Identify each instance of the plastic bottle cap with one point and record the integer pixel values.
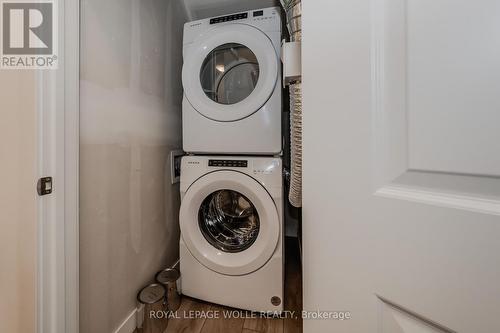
(151, 294)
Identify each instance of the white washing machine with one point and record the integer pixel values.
(231, 220)
(231, 78)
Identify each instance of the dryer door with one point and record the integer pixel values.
(229, 223)
(230, 72)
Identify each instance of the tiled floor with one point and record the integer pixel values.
(293, 302)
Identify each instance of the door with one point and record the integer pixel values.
(402, 165)
(230, 72)
(229, 222)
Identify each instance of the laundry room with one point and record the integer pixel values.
(185, 167)
(249, 166)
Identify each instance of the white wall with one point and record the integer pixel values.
(18, 201)
(130, 118)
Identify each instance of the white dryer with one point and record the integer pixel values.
(231, 220)
(231, 78)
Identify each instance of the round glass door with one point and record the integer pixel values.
(229, 221)
(229, 73)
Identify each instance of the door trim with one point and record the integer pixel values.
(58, 156)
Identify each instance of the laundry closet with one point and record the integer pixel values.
(185, 161)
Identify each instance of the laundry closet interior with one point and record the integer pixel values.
(187, 162)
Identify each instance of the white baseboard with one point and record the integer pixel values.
(129, 324)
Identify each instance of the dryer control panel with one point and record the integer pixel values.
(238, 16)
(265, 19)
(228, 18)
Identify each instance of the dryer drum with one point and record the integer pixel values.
(229, 73)
(229, 221)
(237, 82)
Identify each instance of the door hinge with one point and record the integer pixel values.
(44, 186)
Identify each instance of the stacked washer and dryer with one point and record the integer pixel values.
(231, 217)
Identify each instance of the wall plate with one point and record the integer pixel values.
(175, 165)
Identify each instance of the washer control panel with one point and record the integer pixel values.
(266, 167)
(228, 163)
(265, 170)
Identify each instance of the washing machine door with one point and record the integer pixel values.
(230, 72)
(229, 223)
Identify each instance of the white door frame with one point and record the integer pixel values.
(58, 157)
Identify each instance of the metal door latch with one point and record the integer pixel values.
(44, 186)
